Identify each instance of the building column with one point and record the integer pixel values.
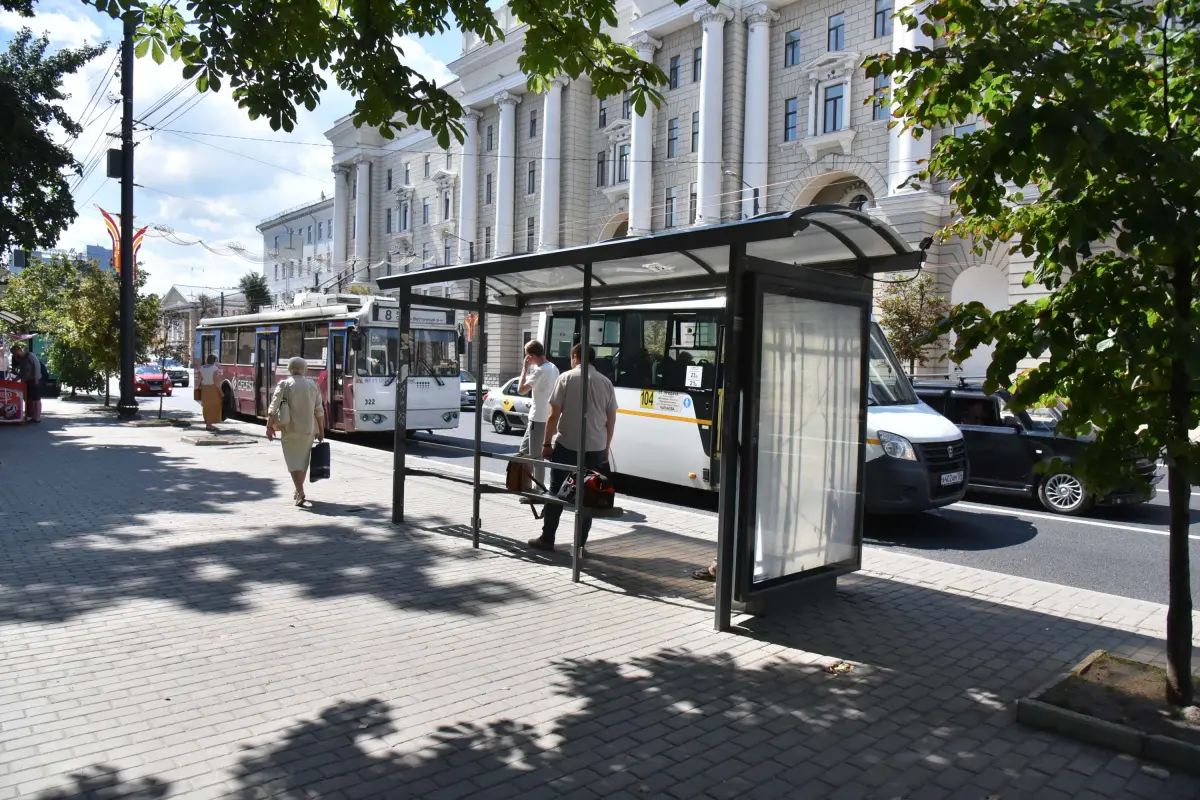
(506, 173)
(362, 215)
(712, 78)
(906, 153)
(756, 141)
(641, 148)
(468, 192)
(341, 175)
(548, 211)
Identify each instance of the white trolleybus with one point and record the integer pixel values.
(352, 348)
(665, 361)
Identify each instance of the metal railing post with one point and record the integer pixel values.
(581, 460)
(475, 521)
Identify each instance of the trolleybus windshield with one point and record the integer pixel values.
(434, 354)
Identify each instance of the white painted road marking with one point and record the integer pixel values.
(1012, 512)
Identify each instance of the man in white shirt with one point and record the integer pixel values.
(561, 443)
(538, 376)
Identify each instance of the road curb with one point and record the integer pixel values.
(1151, 747)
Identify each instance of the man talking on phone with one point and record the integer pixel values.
(561, 440)
(538, 377)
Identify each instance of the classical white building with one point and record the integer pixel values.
(297, 248)
(767, 108)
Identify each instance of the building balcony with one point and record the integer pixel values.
(616, 191)
(816, 146)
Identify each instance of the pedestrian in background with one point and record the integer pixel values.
(538, 376)
(29, 371)
(3, 364)
(561, 440)
(210, 393)
(297, 414)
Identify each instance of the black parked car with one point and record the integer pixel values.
(1004, 448)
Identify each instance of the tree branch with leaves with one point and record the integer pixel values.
(1083, 162)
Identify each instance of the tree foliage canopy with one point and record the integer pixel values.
(1084, 161)
(254, 288)
(278, 56)
(35, 199)
(910, 311)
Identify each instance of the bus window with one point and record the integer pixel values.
(316, 340)
(379, 356)
(643, 363)
(434, 353)
(229, 346)
(692, 357)
(562, 338)
(245, 346)
(208, 345)
(604, 336)
(289, 341)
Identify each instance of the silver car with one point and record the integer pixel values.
(505, 408)
(467, 385)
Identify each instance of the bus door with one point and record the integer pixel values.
(337, 377)
(693, 365)
(266, 350)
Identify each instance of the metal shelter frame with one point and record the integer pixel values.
(824, 248)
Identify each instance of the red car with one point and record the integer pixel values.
(149, 379)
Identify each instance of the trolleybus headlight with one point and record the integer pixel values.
(897, 446)
(449, 416)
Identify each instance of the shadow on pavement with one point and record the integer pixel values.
(67, 548)
(948, 529)
(926, 706)
(104, 783)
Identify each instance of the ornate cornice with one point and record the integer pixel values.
(760, 14)
(644, 45)
(709, 16)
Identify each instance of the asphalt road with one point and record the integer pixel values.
(1122, 552)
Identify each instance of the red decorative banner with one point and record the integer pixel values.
(114, 233)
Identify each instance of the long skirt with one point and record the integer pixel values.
(297, 448)
(210, 402)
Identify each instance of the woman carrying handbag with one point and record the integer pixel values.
(296, 412)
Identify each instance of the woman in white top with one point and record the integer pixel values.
(210, 394)
(305, 421)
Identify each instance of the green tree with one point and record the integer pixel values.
(274, 54)
(910, 311)
(35, 198)
(207, 306)
(40, 292)
(1084, 160)
(73, 366)
(93, 312)
(253, 286)
(359, 289)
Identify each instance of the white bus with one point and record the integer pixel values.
(665, 361)
(351, 345)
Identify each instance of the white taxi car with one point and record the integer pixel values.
(506, 409)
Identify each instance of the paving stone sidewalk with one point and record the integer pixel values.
(171, 626)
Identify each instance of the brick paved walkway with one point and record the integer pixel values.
(171, 626)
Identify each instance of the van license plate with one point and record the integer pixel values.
(952, 478)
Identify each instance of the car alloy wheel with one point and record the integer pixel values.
(500, 422)
(1063, 493)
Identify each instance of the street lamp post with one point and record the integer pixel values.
(733, 174)
(127, 406)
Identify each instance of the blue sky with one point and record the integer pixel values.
(202, 187)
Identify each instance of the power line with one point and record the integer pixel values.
(251, 158)
(101, 85)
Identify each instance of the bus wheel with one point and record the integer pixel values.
(227, 411)
(500, 422)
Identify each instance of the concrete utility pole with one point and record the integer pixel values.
(127, 406)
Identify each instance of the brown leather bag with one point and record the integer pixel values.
(519, 477)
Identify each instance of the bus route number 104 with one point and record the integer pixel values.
(647, 399)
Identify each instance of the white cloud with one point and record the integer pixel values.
(212, 194)
(61, 28)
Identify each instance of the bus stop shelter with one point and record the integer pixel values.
(792, 409)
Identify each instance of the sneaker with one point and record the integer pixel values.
(541, 544)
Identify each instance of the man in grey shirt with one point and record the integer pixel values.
(561, 443)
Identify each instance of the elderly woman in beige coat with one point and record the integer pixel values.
(305, 420)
